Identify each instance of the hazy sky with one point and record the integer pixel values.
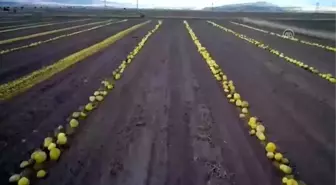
(194, 3)
(203, 3)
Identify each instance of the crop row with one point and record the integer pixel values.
(41, 25)
(50, 32)
(53, 146)
(12, 21)
(328, 48)
(13, 88)
(34, 44)
(327, 76)
(255, 126)
(22, 25)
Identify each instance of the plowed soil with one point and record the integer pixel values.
(58, 24)
(167, 122)
(15, 64)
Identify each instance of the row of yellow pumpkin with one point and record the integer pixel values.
(37, 43)
(20, 85)
(328, 48)
(256, 128)
(327, 76)
(53, 146)
(40, 25)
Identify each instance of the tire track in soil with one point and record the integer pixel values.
(295, 116)
(206, 154)
(180, 169)
(116, 145)
(42, 108)
(144, 151)
(20, 63)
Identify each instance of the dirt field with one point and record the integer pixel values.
(14, 67)
(326, 25)
(167, 120)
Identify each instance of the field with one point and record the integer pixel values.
(164, 101)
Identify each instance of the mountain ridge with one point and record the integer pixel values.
(259, 6)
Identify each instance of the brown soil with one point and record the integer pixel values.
(297, 107)
(22, 62)
(53, 101)
(13, 34)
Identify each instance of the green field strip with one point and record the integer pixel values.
(20, 85)
(42, 25)
(49, 32)
(34, 44)
(326, 76)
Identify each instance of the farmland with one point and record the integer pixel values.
(164, 101)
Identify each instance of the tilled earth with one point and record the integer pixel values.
(57, 24)
(167, 122)
(16, 64)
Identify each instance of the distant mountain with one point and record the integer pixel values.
(248, 7)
